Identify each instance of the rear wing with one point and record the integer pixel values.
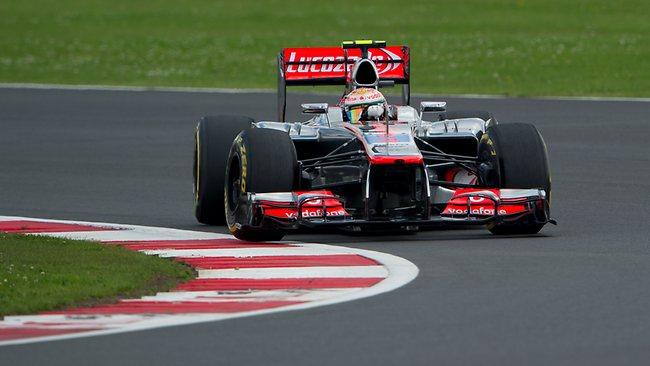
(331, 66)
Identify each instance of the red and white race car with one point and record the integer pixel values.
(365, 164)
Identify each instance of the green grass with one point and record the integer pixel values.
(518, 47)
(40, 273)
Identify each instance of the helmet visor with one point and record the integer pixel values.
(354, 113)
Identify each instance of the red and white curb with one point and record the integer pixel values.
(235, 279)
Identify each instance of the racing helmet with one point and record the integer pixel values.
(363, 104)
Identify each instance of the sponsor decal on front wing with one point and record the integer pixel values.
(291, 214)
(285, 205)
(480, 205)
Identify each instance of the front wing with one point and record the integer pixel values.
(467, 206)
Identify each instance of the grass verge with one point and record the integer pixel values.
(40, 273)
(510, 47)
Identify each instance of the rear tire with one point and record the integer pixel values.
(514, 156)
(212, 141)
(261, 160)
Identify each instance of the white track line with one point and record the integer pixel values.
(126, 88)
(131, 235)
(42, 321)
(244, 252)
(296, 272)
(288, 295)
(174, 89)
(396, 272)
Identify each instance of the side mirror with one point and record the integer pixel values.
(386, 83)
(432, 107)
(314, 108)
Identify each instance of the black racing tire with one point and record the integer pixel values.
(484, 115)
(212, 140)
(514, 156)
(261, 160)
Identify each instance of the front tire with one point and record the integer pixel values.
(212, 141)
(514, 156)
(260, 161)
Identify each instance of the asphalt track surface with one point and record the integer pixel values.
(577, 294)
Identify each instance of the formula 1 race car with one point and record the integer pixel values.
(365, 164)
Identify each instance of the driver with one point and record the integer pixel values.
(363, 104)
